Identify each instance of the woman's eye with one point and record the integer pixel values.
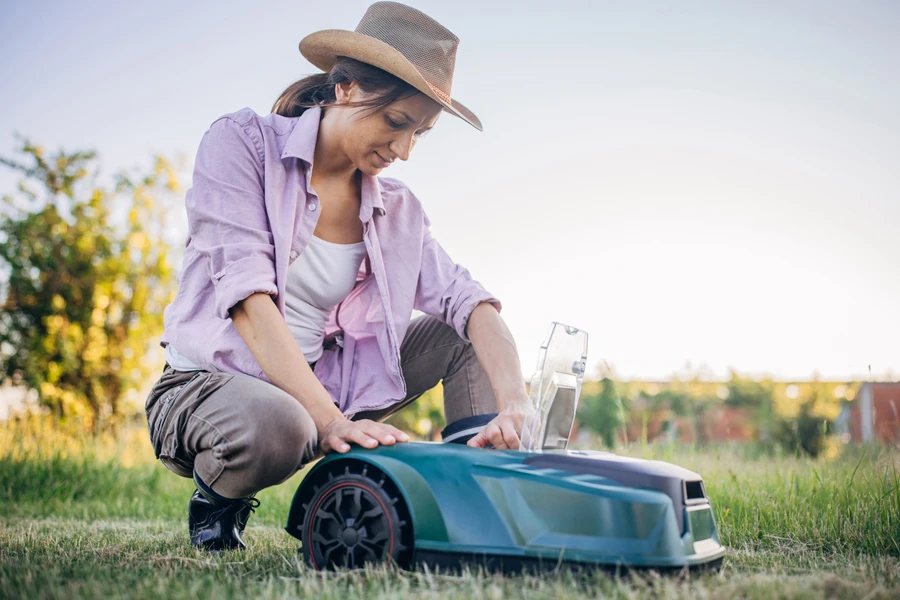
(393, 123)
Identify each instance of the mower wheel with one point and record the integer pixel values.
(356, 516)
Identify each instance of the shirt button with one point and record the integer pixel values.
(294, 254)
(311, 206)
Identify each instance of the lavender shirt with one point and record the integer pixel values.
(251, 213)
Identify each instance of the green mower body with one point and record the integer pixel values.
(446, 505)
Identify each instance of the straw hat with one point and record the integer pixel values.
(402, 41)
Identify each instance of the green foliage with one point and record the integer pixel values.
(758, 398)
(795, 417)
(795, 424)
(601, 412)
(748, 393)
(88, 279)
(424, 418)
(680, 403)
(807, 430)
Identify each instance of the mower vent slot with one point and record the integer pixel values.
(694, 492)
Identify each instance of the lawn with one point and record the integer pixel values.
(99, 518)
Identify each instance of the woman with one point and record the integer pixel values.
(290, 335)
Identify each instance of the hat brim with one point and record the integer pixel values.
(323, 47)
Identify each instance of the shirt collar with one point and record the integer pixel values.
(301, 143)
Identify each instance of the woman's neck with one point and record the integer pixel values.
(329, 160)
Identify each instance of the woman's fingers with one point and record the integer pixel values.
(366, 433)
(334, 442)
(386, 434)
(500, 433)
(402, 437)
(359, 435)
(510, 437)
(375, 431)
(489, 436)
(495, 435)
(479, 440)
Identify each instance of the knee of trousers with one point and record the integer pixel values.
(465, 354)
(276, 444)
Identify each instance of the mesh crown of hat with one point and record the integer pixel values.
(427, 44)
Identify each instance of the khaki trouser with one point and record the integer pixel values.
(242, 434)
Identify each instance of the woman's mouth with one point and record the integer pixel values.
(384, 163)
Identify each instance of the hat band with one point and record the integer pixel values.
(438, 92)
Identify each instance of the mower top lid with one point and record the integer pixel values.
(554, 389)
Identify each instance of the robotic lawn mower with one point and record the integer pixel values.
(447, 505)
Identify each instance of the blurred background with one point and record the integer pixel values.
(708, 189)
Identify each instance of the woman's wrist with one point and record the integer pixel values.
(326, 420)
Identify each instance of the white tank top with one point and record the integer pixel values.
(317, 281)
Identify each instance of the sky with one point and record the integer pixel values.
(698, 185)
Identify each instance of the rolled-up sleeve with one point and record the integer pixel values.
(445, 289)
(227, 214)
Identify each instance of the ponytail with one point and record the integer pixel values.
(300, 95)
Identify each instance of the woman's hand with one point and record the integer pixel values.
(337, 434)
(505, 430)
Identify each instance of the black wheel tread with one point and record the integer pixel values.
(322, 532)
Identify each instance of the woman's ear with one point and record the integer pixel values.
(344, 91)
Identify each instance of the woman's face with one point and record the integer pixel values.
(372, 140)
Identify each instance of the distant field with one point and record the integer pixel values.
(99, 518)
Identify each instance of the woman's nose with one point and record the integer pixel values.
(403, 145)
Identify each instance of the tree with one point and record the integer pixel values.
(755, 396)
(810, 420)
(87, 278)
(602, 412)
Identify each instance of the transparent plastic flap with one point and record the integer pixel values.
(555, 388)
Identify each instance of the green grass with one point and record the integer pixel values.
(100, 518)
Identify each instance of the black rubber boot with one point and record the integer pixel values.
(216, 523)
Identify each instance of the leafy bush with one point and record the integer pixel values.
(83, 295)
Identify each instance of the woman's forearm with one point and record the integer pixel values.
(496, 351)
(265, 332)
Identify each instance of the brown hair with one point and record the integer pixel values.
(319, 89)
